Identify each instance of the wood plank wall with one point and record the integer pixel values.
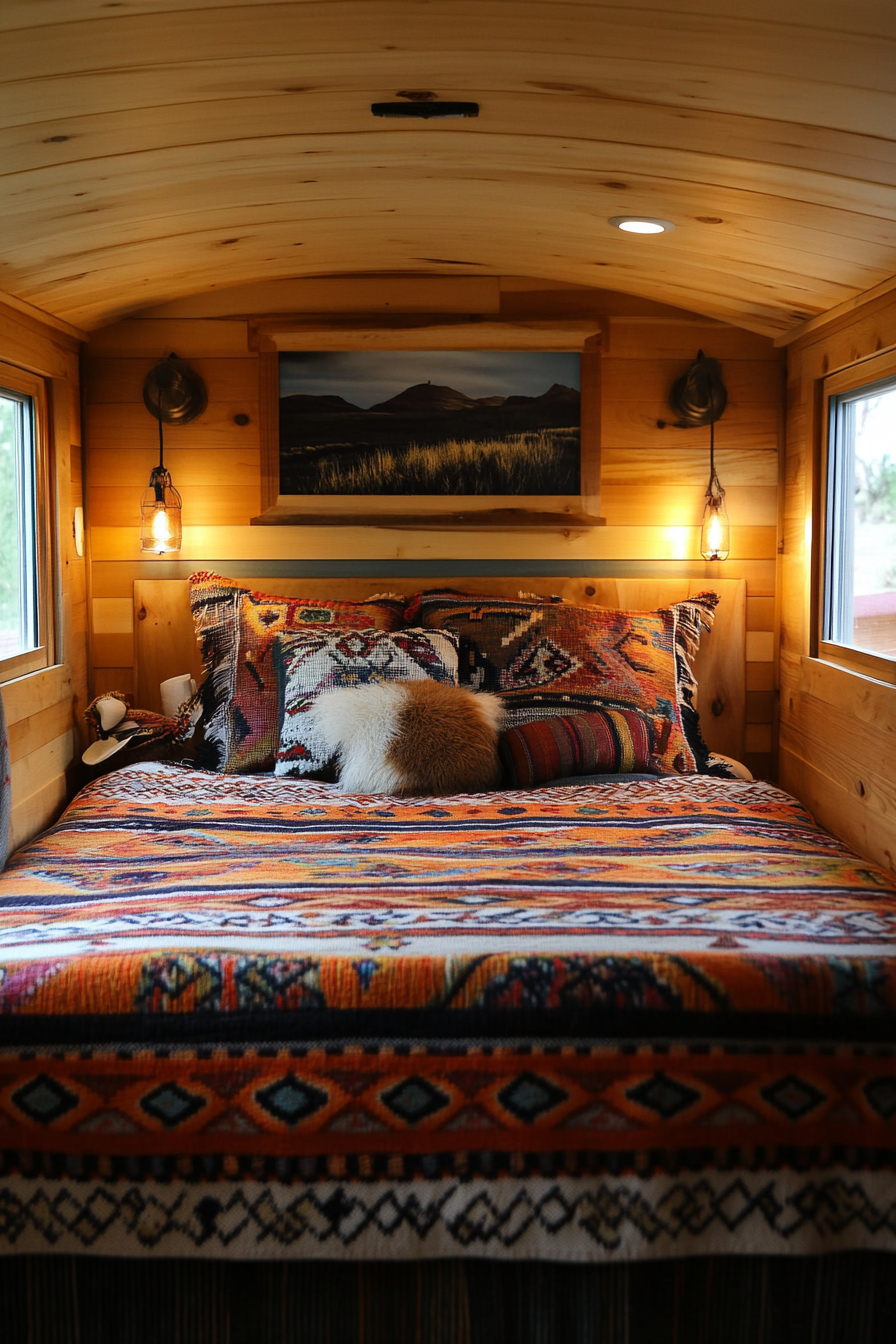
(43, 710)
(653, 482)
(838, 729)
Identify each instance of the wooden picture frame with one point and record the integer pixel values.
(495, 512)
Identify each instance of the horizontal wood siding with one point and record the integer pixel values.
(653, 480)
(838, 729)
(43, 710)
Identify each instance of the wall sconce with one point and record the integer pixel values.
(175, 395)
(700, 397)
(715, 534)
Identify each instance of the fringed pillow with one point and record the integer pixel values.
(548, 659)
(237, 628)
(605, 742)
(311, 663)
(411, 737)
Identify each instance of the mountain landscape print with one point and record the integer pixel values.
(430, 423)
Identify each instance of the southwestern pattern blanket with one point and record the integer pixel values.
(252, 1017)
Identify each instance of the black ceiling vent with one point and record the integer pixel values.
(426, 109)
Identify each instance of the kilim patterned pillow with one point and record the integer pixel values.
(312, 662)
(238, 628)
(557, 659)
(609, 741)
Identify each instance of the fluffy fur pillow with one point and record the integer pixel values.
(317, 662)
(411, 737)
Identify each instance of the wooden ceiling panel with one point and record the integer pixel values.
(155, 149)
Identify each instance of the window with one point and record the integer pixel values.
(858, 617)
(25, 607)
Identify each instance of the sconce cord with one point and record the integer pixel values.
(714, 490)
(159, 473)
(712, 448)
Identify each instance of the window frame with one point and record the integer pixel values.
(878, 368)
(14, 379)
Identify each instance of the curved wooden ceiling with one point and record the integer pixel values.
(152, 149)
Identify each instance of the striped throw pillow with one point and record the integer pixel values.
(606, 741)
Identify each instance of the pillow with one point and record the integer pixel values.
(609, 741)
(411, 737)
(312, 662)
(557, 659)
(421, 607)
(726, 767)
(237, 628)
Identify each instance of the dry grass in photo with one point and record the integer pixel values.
(520, 464)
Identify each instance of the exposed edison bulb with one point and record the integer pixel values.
(715, 534)
(161, 527)
(160, 515)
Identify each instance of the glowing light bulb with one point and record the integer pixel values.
(160, 514)
(161, 528)
(714, 533)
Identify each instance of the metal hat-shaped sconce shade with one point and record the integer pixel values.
(174, 392)
(699, 397)
(175, 395)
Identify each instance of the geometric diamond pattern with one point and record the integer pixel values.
(663, 1095)
(881, 1092)
(793, 1096)
(44, 1100)
(414, 1099)
(171, 1105)
(290, 1100)
(529, 1096)
(541, 661)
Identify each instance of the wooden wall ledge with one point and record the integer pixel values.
(419, 331)
(501, 520)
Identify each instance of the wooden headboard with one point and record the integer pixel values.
(165, 644)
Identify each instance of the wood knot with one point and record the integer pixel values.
(860, 788)
(141, 614)
(590, 590)
(718, 707)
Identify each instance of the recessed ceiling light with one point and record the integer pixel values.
(641, 224)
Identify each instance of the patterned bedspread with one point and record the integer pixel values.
(244, 1016)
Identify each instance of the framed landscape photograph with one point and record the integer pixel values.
(458, 436)
(430, 422)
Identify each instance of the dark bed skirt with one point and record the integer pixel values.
(847, 1298)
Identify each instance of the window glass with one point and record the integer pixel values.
(860, 570)
(26, 574)
(19, 598)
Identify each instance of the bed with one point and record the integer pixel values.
(253, 1018)
(248, 1017)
